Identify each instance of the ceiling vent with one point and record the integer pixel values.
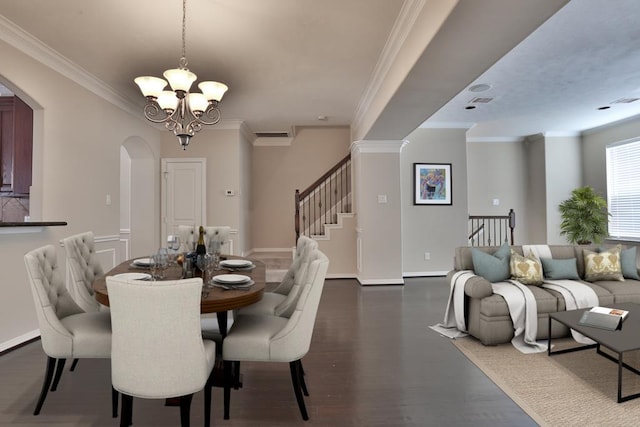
(625, 100)
(480, 100)
(272, 134)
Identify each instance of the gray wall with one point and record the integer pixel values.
(434, 229)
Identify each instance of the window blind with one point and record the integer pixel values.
(623, 189)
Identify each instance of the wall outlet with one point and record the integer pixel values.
(427, 256)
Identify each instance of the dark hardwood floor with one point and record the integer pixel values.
(373, 362)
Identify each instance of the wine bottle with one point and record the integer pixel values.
(201, 251)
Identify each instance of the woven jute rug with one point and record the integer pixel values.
(572, 389)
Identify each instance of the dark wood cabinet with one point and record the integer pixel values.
(16, 145)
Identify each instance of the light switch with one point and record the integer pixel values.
(382, 198)
(496, 202)
(108, 200)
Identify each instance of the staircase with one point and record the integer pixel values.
(322, 204)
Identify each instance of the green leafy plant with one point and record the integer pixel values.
(584, 217)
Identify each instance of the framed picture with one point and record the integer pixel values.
(432, 184)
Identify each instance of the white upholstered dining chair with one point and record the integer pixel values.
(266, 338)
(84, 267)
(157, 350)
(66, 331)
(188, 237)
(282, 300)
(221, 234)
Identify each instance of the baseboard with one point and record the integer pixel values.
(18, 341)
(425, 274)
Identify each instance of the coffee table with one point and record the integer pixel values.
(620, 341)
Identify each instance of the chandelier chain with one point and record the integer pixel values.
(183, 60)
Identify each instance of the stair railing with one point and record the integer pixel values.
(491, 230)
(322, 201)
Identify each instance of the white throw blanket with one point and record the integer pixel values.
(576, 294)
(454, 325)
(524, 315)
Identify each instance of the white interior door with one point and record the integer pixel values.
(183, 194)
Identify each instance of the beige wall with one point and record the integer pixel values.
(77, 139)
(228, 163)
(278, 171)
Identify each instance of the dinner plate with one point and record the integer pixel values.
(230, 286)
(231, 278)
(142, 262)
(133, 276)
(236, 263)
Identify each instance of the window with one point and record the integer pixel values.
(623, 189)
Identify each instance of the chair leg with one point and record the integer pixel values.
(294, 367)
(48, 376)
(59, 370)
(227, 388)
(74, 364)
(114, 402)
(236, 375)
(207, 400)
(185, 409)
(126, 412)
(303, 384)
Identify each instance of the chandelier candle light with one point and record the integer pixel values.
(181, 111)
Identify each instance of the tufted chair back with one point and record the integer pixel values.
(220, 233)
(188, 237)
(52, 300)
(297, 269)
(84, 268)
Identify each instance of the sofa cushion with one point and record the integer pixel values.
(493, 267)
(558, 269)
(627, 291)
(495, 305)
(527, 270)
(603, 265)
(628, 263)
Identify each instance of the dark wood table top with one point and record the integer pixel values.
(620, 341)
(214, 299)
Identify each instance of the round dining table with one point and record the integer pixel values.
(214, 299)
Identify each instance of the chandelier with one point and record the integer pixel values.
(182, 112)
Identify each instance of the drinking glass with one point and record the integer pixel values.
(159, 263)
(173, 245)
(215, 247)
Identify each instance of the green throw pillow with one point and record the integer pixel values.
(628, 261)
(493, 267)
(558, 269)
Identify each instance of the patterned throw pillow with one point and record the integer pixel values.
(603, 265)
(526, 270)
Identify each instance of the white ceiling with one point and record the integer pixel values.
(287, 62)
(585, 57)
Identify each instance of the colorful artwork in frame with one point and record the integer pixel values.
(432, 184)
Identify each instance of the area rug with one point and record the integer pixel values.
(572, 389)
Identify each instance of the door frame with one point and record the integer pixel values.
(163, 190)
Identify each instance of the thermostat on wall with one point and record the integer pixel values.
(229, 193)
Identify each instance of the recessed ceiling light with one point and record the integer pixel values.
(323, 118)
(479, 88)
(606, 107)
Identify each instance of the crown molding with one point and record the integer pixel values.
(379, 146)
(31, 46)
(399, 33)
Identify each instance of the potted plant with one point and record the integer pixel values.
(584, 217)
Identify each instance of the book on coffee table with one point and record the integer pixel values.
(604, 318)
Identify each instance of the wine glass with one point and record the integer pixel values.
(173, 243)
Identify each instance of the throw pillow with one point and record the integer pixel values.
(603, 265)
(526, 270)
(628, 263)
(493, 267)
(558, 269)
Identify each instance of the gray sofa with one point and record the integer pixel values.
(487, 316)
